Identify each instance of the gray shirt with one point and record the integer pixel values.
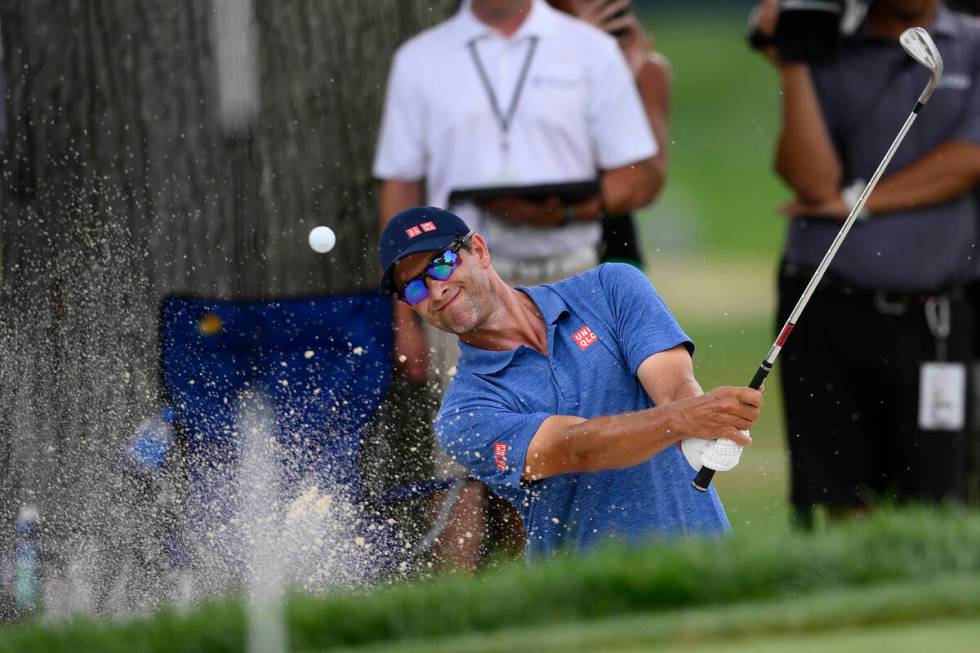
(866, 93)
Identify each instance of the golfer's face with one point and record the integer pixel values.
(453, 305)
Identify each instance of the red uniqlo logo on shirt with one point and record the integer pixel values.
(428, 226)
(500, 455)
(413, 231)
(584, 338)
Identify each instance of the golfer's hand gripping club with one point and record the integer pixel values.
(706, 473)
(920, 46)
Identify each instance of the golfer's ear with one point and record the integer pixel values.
(479, 248)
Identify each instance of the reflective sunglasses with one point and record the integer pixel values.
(440, 269)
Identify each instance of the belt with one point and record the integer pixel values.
(888, 302)
(555, 265)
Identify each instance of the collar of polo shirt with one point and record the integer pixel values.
(487, 361)
(537, 23)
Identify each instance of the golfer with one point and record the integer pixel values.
(569, 400)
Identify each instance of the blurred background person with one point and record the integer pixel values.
(510, 93)
(972, 9)
(873, 378)
(651, 71)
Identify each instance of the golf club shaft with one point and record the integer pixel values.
(704, 476)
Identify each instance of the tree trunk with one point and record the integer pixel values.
(120, 185)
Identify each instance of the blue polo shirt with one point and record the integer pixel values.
(601, 326)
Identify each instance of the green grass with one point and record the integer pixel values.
(944, 613)
(765, 568)
(947, 636)
(721, 193)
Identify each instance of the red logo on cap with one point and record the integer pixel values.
(584, 338)
(413, 231)
(428, 226)
(500, 455)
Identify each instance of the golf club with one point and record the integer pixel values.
(920, 46)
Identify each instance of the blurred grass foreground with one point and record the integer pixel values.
(894, 568)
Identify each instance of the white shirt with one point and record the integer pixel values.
(578, 113)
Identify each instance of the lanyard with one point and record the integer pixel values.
(504, 120)
(938, 319)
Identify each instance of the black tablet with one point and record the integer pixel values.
(567, 192)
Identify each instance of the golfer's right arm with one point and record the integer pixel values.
(566, 444)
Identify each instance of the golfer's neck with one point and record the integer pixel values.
(515, 321)
(888, 24)
(505, 16)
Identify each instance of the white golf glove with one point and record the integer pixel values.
(720, 455)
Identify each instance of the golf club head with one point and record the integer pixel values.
(920, 46)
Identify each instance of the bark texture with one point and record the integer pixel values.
(119, 186)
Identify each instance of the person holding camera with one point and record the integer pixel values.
(874, 377)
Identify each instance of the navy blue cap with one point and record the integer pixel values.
(421, 229)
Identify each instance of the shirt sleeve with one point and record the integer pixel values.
(401, 142)
(478, 428)
(644, 324)
(969, 127)
(619, 125)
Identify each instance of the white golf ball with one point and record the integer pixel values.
(322, 239)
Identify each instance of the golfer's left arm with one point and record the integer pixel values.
(668, 376)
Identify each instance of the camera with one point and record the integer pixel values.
(811, 30)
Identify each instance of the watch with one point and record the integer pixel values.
(851, 194)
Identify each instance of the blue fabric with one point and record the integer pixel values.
(151, 445)
(212, 350)
(321, 364)
(498, 400)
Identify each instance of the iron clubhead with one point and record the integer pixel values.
(920, 46)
